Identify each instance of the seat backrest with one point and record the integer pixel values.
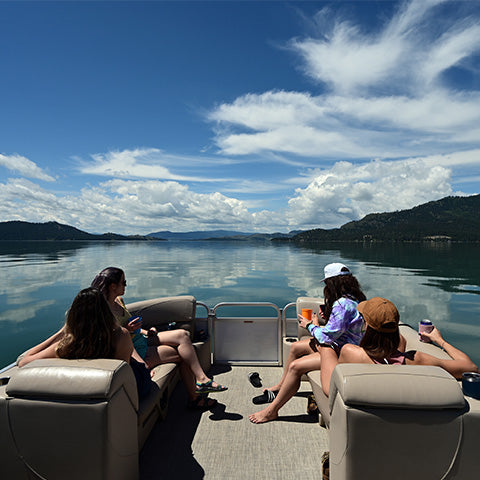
(72, 419)
(159, 312)
(395, 421)
(309, 302)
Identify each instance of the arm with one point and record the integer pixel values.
(46, 349)
(459, 364)
(338, 322)
(123, 345)
(305, 322)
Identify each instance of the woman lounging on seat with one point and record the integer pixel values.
(381, 341)
(154, 348)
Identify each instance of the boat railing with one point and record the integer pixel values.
(246, 339)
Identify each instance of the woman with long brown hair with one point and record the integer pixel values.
(154, 348)
(342, 293)
(90, 331)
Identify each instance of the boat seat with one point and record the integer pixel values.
(401, 421)
(81, 419)
(411, 336)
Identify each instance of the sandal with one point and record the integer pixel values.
(208, 387)
(268, 396)
(255, 379)
(202, 403)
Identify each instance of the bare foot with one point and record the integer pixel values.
(263, 416)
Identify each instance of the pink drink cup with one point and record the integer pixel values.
(425, 326)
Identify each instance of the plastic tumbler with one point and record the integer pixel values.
(307, 313)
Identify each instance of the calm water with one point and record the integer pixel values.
(39, 280)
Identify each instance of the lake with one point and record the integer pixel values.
(439, 281)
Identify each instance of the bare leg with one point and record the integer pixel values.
(329, 362)
(161, 354)
(289, 387)
(180, 339)
(297, 350)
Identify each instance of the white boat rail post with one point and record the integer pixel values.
(208, 318)
(284, 331)
(246, 348)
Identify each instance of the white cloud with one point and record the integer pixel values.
(24, 166)
(334, 196)
(348, 192)
(149, 163)
(133, 206)
(386, 93)
(138, 163)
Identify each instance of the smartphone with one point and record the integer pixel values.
(322, 308)
(137, 324)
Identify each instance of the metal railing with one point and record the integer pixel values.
(280, 317)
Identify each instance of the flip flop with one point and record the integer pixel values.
(202, 403)
(208, 387)
(255, 379)
(267, 397)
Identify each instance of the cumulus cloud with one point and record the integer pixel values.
(131, 206)
(385, 93)
(348, 192)
(24, 167)
(333, 196)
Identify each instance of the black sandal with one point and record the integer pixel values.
(202, 402)
(267, 397)
(255, 379)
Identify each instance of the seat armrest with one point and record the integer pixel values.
(57, 378)
(395, 386)
(414, 343)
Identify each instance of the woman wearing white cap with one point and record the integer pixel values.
(342, 293)
(381, 341)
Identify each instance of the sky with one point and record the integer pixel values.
(271, 116)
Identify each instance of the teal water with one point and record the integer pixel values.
(40, 279)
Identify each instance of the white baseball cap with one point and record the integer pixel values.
(335, 269)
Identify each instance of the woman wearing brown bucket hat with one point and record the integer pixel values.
(380, 343)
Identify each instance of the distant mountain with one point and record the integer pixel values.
(254, 237)
(200, 235)
(451, 218)
(16, 230)
(225, 235)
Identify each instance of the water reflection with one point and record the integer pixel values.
(41, 279)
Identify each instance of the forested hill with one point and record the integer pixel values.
(16, 230)
(457, 218)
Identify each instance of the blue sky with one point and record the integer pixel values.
(136, 117)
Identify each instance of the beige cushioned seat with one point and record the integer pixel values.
(81, 419)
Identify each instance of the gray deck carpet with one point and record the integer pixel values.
(224, 444)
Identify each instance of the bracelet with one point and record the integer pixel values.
(308, 324)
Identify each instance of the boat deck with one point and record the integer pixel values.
(224, 444)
